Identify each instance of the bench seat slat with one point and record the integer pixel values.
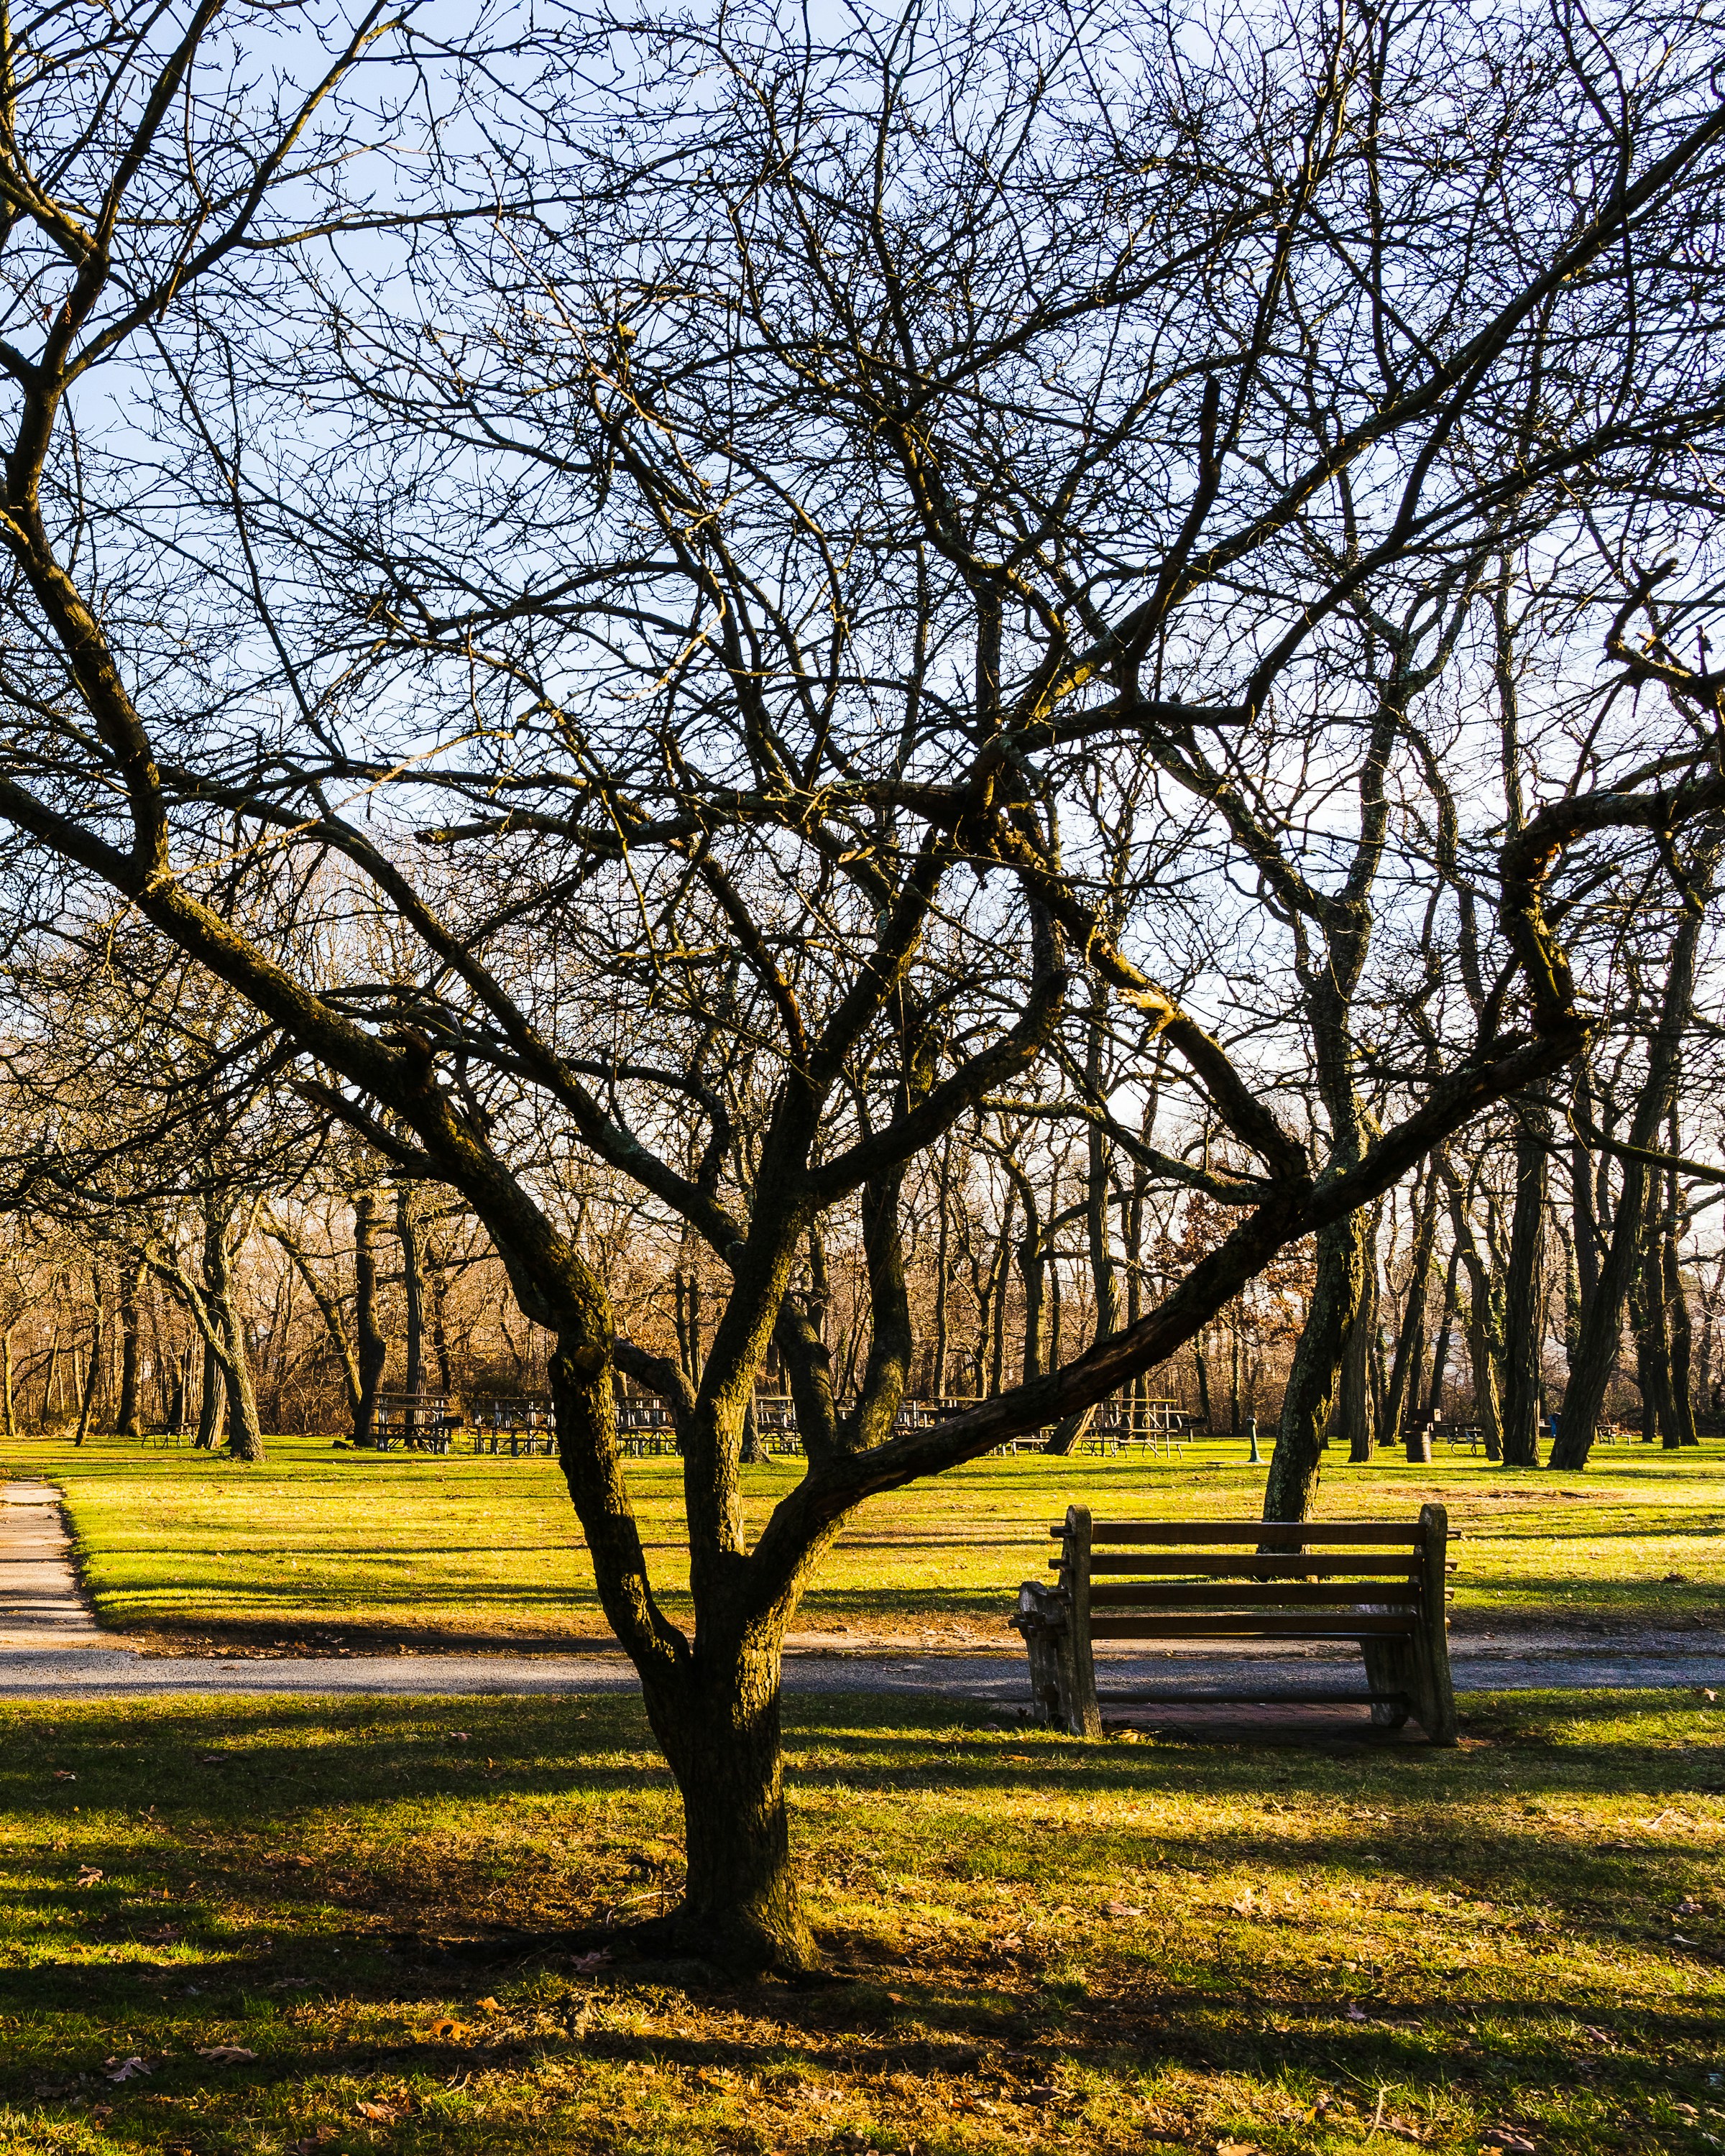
(1199, 1626)
(1292, 1534)
(1247, 1566)
(1276, 1594)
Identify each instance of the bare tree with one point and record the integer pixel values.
(696, 620)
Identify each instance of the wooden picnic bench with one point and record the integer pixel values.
(1380, 1585)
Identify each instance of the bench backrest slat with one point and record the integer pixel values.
(1281, 1594)
(1246, 1565)
(1292, 1534)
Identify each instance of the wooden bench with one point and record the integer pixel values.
(1375, 1584)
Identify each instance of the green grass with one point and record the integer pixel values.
(382, 1547)
(1053, 1947)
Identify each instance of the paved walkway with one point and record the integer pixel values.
(50, 1648)
(40, 1606)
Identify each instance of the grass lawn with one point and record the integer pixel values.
(1051, 1946)
(396, 1546)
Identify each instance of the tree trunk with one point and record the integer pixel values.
(1291, 1488)
(407, 1230)
(245, 1439)
(1356, 1420)
(93, 1375)
(371, 1349)
(1403, 1392)
(1002, 1278)
(1098, 1181)
(942, 1277)
(211, 1400)
(715, 1712)
(1523, 1302)
(126, 1421)
(1601, 1337)
(1485, 1334)
(5, 1381)
(1679, 1333)
(1445, 1334)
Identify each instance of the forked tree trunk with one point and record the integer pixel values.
(713, 1704)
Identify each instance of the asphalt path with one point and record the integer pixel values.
(51, 1649)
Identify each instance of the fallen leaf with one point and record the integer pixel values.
(1043, 2092)
(88, 1874)
(487, 2006)
(165, 1937)
(1120, 1909)
(1358, 2013)
(600, 1958)
(1507, 2139)
(123, 2070)
(319, 2138)
(452, 2032)
(1243, 1904)
(224, 2055)
(460, 1736)
(63, 1774)
(1237, 2148)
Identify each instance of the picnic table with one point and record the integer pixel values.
(421, 1421)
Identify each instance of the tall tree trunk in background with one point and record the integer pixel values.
(371, 1349)
(93, 1374)
(1587, 1178)
(1234, 1379)
(1679, 1329)
(11, 1424)
(1032, 1257)
(1445, 1334)
(1524, 1302)
(1001, 1278)
(407, 1230)
(1134, 1239)
(126, 1421)
(211, 1400)
(245, 1437)
(1201, 1363)
(437, 1290)
(1485, 1334)
(942, 1273)
(1356, 1422)
(52, 1371)
(1403, 1392)
(1598, 1348)
(1097, 1189)
(328, 1309)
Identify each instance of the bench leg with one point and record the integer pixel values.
(1388, 1669)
